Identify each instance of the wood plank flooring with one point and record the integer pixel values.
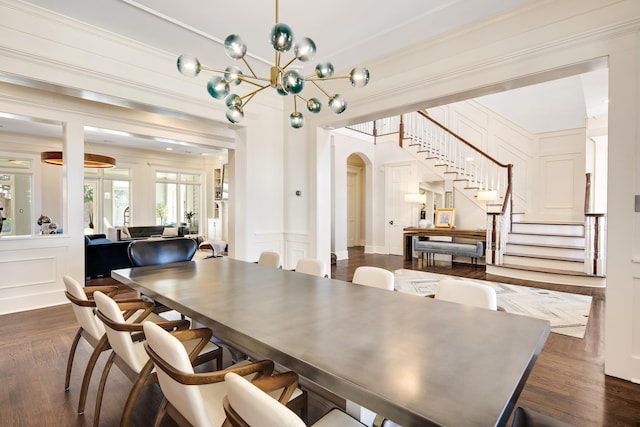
(567, 381)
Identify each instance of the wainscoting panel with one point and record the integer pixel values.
(267, 242)
(31, 278)
(296, 246)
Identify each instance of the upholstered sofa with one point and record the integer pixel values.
(102, 255)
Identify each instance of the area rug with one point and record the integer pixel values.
(568, 313)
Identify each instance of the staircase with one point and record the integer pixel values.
(563, 253)
(546, 252)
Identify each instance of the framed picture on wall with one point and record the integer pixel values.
(445, 217)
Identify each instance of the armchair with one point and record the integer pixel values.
(248, 404)
(196, 398)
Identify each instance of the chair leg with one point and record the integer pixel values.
(161, 412)
(102, 345)
(143, 379)
(103, 381)
(72, 354)
(299, 405)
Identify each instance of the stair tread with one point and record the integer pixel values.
(546, 270)
(547, 234)
(546, 245)
(553, 258)
(548, 222)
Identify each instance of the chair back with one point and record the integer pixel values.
(467, 292)
(373, 276)
(84, 315)
(120, 341)
(255, 407)
(311, 266)
(168, 350)
(161, 251)
(269, 259)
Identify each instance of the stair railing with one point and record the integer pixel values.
(595, 225)
(470, 163)
(460, 156)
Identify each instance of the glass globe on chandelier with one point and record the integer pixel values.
(285, 82)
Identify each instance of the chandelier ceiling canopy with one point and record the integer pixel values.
(284, 82)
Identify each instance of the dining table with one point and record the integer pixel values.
(416, 361)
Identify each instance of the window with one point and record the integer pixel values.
(107, 193)
(16, 182)
(178, 199)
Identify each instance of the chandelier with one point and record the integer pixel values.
(284, 82)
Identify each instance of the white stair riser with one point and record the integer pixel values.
(548, 251)
(537, 239)
(538, 276)
(544, 263)
(559, 229)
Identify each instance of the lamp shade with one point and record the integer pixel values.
(487, 195)
(415, 198)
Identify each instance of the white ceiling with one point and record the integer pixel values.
(346, 33)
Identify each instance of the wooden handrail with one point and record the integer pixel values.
(426, 116)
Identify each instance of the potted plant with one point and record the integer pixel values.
(188, 215)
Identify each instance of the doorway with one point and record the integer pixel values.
(356, 201)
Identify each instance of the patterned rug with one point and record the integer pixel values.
(568, 313)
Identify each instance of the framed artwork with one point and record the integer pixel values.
(445, 217)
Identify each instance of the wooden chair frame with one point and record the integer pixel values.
(98, 345)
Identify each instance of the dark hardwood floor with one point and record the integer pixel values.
(567, 381)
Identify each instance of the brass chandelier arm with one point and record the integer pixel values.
(244, 78)
(251, 94)
(289, 63)
(312, 78)
(250, 97)
(215, 70)
(318, 86)
(249, 67)
(248, 80)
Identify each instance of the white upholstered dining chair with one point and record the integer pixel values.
(128, 354)
(313, 266)
(467, 292)
(247, 404)
(192, 398)
(91, 329)
(373, 276)
(269, 259)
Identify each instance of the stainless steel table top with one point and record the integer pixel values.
(414, 360)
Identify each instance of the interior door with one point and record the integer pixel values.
(399, 180)
(352, 209)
